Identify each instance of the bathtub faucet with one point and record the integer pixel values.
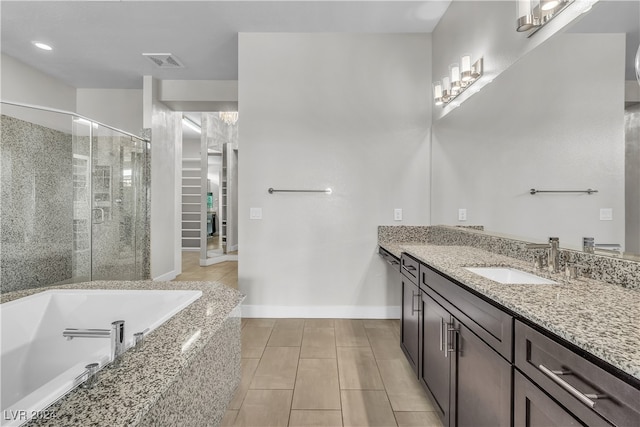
(116, 333)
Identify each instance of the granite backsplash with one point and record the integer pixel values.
(617, 271)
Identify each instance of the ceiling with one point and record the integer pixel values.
(99, 44)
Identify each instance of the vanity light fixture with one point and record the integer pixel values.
(465, 68)
(437, 93)
(535, 14)
(460, 77)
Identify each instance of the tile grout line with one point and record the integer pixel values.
(386, 393)
(335, 346)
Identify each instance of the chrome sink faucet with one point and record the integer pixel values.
(553, 254)
(116, 334)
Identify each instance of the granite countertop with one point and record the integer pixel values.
(600, 318)
(124, 395)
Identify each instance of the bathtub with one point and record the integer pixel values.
(39, 366)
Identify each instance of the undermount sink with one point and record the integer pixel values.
(510, 276)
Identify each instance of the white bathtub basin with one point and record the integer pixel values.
(510, 276)
(39, 365)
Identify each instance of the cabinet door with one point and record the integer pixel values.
(533, 408)
(436, 363)
(482, 382)
(410, 333)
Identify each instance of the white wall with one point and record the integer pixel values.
(24, 84)
(488, 29)
(542, 124)
(120, 108)
(200, 95)
(346, 111)
(166, 158)
(191, 148)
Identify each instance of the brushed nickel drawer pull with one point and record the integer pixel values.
(441, 328)
(413, 306)
(448, 348)
(586, 398)
(409, 267)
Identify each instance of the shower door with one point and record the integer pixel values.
(116, 169)
(109, 204)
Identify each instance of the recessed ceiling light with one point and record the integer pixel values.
(42, 46)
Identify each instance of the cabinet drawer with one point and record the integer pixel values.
(409, 268)
(578, 384)
(533, 408)
(389, 258)
(490, 323)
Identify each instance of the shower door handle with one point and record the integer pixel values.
(95, 221)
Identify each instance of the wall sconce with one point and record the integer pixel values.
(460, 77)
(535, 14)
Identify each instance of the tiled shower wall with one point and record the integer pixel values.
(36, 205)
(39, 244)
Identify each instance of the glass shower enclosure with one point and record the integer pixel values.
(74, 196)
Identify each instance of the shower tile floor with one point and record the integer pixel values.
(320, 372)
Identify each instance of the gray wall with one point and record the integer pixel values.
(346, 111)
(36, 206)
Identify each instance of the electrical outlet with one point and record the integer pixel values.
(255, 213)
(606, 214)
(462, 214)
(397, 214)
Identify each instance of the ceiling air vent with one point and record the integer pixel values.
(164, 60)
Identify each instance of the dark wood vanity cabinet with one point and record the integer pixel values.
(482, 367)
(411, 311)
(585, 391)
(436, 366)
(469, 381)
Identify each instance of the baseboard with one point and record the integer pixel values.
(190, 249)
(326, 311)
(166, 276)
(218, 259)
(233, 248)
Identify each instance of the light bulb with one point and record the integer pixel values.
(549, 5)
(465, 68)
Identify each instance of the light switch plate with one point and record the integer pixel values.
(397, 214)
(255, 213)
(606, 214)
(462, 214)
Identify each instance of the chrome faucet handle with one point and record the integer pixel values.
(138, 342)
(588, 244)
(117, 342)
(92, 376)
(540, 261)
(554, 255)
(572, 269)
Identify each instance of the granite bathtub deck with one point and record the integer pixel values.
(123, 396)
(600, 318)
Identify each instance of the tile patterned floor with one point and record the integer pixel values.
(320, 372)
